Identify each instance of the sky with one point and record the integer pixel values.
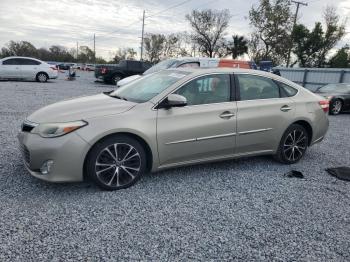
(118, 23)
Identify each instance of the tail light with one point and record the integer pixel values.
(104, 70)
(324, 105)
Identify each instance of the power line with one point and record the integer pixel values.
(169, 8)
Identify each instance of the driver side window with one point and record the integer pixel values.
(207, 90)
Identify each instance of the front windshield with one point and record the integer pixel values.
(147, 87)
(339, 88)
(160, 66)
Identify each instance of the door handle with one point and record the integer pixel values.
(285, 108)
(227, 114)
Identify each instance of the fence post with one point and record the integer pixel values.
(304, 77)
(341, 77)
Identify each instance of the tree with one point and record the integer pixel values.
(237, 47)
(124, 53)
(60, 54)
(312, 47)
(21, 48)
(86, 55)
(209, 29)
(154, 47)
(341, 59)
(272, 23)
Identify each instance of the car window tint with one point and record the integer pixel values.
(13, 61)
(134, 64)
(25, 61)
(191, 64)
(253, 87)
(288, 90)
(206, 90)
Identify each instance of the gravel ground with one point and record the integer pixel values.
(233, 210)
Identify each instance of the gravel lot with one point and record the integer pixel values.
(233, 210)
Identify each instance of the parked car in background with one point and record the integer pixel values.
(89, 67)
(172, 118)
(195, 62)
(111, 74)
(26, 68)
(338, 96)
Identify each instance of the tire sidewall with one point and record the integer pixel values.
(95, 151)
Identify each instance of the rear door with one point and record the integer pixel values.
(11, 68)
(205, 128)
(29, 68)
(264, 113)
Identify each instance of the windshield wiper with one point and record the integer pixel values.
(118, 97)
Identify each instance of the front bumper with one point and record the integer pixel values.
(68, 153)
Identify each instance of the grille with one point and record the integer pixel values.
(26, 154)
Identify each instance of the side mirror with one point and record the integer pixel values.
(173, 100)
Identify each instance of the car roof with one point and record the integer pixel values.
(25, 57)
(202, 71)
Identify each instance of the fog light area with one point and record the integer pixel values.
(46, 167)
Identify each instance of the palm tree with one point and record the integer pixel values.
(237, 47)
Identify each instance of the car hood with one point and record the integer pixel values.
(81, 108)
(127, 80)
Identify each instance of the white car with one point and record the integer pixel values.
(26, 68)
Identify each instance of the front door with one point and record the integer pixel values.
(205, 128)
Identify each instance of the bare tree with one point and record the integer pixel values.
(154, 47)
(209, 29)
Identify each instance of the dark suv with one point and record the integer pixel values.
(111, 74)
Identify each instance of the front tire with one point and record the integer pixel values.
(116, 162)
(335, 107)
(293, 145)
(42, 77)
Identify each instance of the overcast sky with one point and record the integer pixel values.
(117, 23)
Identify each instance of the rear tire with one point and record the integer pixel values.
(336, 107)
(42, 77)
(293, 145)
(116, 162)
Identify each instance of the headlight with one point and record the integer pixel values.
(58, 129)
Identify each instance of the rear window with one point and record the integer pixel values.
(288, 90)
(161, 66)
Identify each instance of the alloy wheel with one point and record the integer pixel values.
(336, 107)
(295, 145)
(118, 165)
(42, 78)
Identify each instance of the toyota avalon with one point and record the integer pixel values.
(172, 118)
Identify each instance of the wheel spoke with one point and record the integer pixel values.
(102, 164)
(116, 151)
(110, 153)
(103, 170)
(116, 173)
(136, 154)
(131, 148)
(128, 172)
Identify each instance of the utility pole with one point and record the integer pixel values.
(143, 29)
(77, 50)
(94, 49)
(295, 21)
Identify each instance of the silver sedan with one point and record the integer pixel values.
(172, 118)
